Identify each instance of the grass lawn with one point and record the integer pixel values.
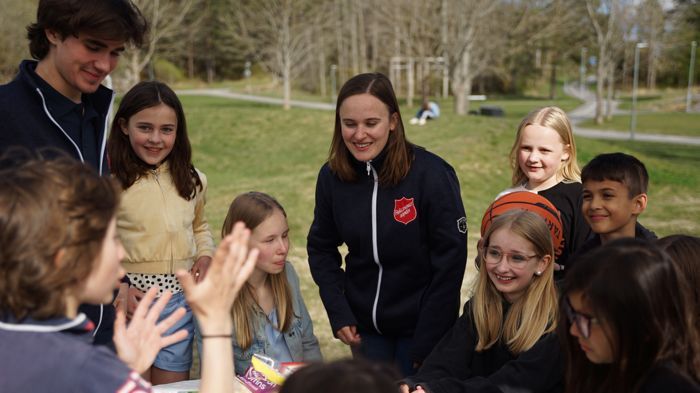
(244, 146)
(672, 123)
(663, 100)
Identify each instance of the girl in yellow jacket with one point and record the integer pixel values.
(161, 219)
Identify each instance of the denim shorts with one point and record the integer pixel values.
(177, 357)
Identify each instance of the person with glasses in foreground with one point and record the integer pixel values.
(629, 322)
(505, 339)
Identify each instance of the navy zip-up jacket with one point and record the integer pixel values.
(25, 120)
(407, 250)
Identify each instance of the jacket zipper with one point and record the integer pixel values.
(155, 173)
(46, 109)
(77, 149)
(375, 252)
(80, 154)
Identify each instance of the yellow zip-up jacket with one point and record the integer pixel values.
(161, 231)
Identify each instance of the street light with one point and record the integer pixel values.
(633, 121)
(582, 71)
(691, 74)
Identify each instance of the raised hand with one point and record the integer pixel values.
(212, 298)
(139, 343)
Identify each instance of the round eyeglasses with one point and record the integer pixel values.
(583, 322)
(516, 260)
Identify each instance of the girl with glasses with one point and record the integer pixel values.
(504, 340)
(629, 323)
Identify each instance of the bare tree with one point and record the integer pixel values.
(466, 46)
(651, 26)
(165, 18)
(603, 17)
(276, 32)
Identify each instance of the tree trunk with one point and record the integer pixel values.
(553, 82)
(322, 66)
(611, 84)
(190, 58)
(599, 87)
(361, 35)
(353, 39)
(462, 83)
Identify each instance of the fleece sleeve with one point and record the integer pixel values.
(448, 257)
(324, 258)
(537, 370)
(451, 357)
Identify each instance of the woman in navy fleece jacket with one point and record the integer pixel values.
(398, 209)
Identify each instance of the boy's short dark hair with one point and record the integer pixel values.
(107, 19)
(619, 167)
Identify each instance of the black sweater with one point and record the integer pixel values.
(567, 198)
(407, 250)
(455, 367)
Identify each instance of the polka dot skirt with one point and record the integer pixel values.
(166, 282)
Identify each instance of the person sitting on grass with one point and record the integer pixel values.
(428, 110)
(59, 248)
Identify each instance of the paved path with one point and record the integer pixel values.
(225, 93)
(583, 112)
(587, 111)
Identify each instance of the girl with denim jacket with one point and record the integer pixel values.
(270, 317)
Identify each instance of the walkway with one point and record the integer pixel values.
(225, 93)
(587, 111)
(583, 112)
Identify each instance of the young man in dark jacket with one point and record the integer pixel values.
(56, 103)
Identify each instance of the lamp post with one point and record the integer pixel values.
(582, 71)
(691, 74)
(633, 121)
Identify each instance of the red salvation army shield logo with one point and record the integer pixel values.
(404, 210)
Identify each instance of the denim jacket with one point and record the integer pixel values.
(301, 341)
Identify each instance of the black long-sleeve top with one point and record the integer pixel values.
(454, 366)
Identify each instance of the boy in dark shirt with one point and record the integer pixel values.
(614, 195)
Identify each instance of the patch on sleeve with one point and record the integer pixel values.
(462, 225)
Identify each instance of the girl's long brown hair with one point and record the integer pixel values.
(126, 166)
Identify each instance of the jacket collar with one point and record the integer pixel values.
(361, 166)
(78, 326)
(101, 99)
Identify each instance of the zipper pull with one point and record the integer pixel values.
(369, 168)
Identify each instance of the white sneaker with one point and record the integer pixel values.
(421, 122)
(413, 121)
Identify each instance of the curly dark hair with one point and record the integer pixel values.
(49, 207)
